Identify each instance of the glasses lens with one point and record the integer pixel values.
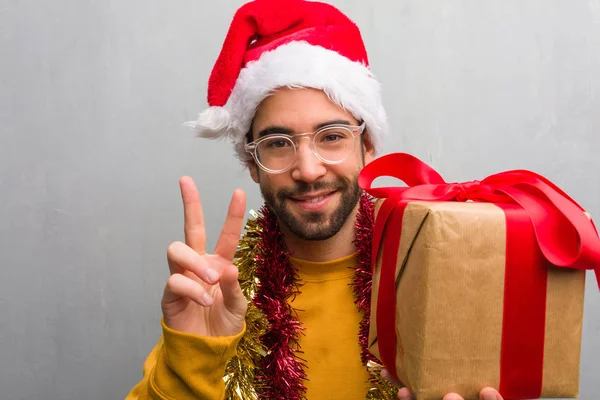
(276, 153)
(334, 144)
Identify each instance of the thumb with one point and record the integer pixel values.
(233, 298)
(385, 374)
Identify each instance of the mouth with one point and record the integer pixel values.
(312, 201)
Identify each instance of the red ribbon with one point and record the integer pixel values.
(553, 230)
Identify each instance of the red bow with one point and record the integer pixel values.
(565, 233)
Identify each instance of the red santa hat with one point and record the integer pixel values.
(289, 43)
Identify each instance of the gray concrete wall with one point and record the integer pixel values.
(92, 95)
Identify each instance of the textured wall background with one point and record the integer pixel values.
(92, 95)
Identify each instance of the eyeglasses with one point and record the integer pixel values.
(332, 144)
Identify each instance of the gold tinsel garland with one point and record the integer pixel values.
(381, 388)
(242, 369)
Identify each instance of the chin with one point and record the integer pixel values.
(316, 226)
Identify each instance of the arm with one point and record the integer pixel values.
(203, 309)
(185, 366)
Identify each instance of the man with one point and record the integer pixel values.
(293, 91)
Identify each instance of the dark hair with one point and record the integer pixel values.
(249, 135)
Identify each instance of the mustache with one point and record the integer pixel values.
(302, 188)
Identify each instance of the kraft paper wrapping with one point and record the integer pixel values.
(449, 304)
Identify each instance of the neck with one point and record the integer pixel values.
(338, 246)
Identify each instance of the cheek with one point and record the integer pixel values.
(350, 167)
(347, 171)
(275, 182)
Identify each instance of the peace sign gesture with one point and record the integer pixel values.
(202, 295)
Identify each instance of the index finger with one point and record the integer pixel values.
(193, 226)
(232, 228)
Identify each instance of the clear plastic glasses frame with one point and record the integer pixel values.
(282, 144)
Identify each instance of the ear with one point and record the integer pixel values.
(251, 164)
(253, 168)
(369, 149)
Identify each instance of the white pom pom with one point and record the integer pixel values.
(212, 123)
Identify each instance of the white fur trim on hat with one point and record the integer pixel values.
(351, 85)
(212, 123)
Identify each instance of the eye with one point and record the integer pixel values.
(332, 137)
(276, 143)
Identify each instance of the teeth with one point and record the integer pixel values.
(316, 199)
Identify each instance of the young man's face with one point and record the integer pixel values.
(312, 199)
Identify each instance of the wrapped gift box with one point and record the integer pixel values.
(466, 294)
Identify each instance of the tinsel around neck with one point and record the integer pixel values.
(267, 364)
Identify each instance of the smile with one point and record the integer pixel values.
(313, 201)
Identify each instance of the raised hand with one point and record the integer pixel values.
(202, 295)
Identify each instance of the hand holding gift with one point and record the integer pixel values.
(478, 284)
(404, 393)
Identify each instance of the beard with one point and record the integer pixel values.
(318, 225)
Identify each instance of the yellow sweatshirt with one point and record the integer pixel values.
(184, 366)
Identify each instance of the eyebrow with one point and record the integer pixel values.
(279, 130)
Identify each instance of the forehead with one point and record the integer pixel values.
(298, 109)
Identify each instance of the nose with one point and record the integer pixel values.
(307, 167)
